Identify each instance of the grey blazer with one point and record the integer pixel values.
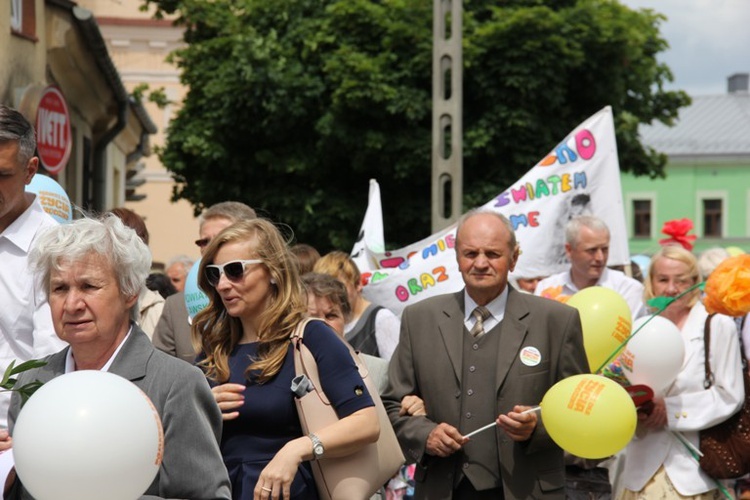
(172, 333)
(428, 363)
(192, 467)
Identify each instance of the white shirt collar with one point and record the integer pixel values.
(70, 364)
(21, 232)
(603, 279)
(496, 307)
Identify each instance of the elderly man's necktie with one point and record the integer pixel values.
(481, 313)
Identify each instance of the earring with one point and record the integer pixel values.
(273, 281)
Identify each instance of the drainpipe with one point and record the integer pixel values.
(90, 31)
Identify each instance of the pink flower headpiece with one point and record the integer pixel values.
(677, 230)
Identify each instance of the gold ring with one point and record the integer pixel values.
(266, 489)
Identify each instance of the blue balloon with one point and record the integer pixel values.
(195, 299)
(52, 196)
(643, 262)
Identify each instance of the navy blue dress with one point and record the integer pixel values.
(268, 419)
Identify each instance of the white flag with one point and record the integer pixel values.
(370, 239)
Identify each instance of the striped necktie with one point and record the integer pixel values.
(481, 313)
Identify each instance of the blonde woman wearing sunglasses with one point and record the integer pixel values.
(256, 301)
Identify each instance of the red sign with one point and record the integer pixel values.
(53, 135)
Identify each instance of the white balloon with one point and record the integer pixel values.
(88, 435)
(655, 354)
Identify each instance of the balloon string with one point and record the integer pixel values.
(656, 313)
(493, 424)
(695, 454)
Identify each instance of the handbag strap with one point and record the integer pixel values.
(741, 327)
(709, 380)
(304, 362)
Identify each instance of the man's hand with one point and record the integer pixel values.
(518, 425)
(444, 440)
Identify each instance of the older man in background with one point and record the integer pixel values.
(587, 248)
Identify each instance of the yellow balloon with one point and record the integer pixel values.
(589, 415)
(606, 321)
(734, 251)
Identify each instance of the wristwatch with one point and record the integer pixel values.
(318, 448)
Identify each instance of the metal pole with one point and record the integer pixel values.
(447, 122)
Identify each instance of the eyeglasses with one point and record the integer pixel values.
(203, 242)
(234, 271)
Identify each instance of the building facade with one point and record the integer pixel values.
(139, 46)
(707, 175)
(55, 47)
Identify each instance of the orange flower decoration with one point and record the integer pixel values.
(728, 287)
(677, 230)
(555, 293)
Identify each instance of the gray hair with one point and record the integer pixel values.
(481, 210)
(573, 228)
(187, 262)
(15, 128)
(233, 211)
(107, 237)
(711, 258)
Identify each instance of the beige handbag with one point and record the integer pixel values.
(357, 476)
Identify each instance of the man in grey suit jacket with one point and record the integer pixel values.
(172, 334)
(475, 367)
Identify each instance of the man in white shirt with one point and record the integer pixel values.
(587, 249)
(26, 330)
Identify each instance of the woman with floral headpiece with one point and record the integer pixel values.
(657, 464)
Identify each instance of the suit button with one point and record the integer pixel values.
(470, 392)
(468, 414)
(472, 369)
(466, 465)
(458, 394)
(475, 346)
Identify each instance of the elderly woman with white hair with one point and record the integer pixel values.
(93, 271)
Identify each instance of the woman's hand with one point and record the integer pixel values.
(229, 397)
(6, 442)
(658, 416)
(412, 405)
(275, 480)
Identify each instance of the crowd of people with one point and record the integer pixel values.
(83, 296)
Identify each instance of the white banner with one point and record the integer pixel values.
(580, 176)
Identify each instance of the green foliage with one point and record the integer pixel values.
(158, 96)
(8, 382)
(293, 105)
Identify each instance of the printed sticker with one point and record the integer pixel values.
(530, 356)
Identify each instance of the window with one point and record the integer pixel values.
(712, 218)
(23, 18)
(642, 218)
(16, 13)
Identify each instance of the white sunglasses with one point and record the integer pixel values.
(234, 270)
